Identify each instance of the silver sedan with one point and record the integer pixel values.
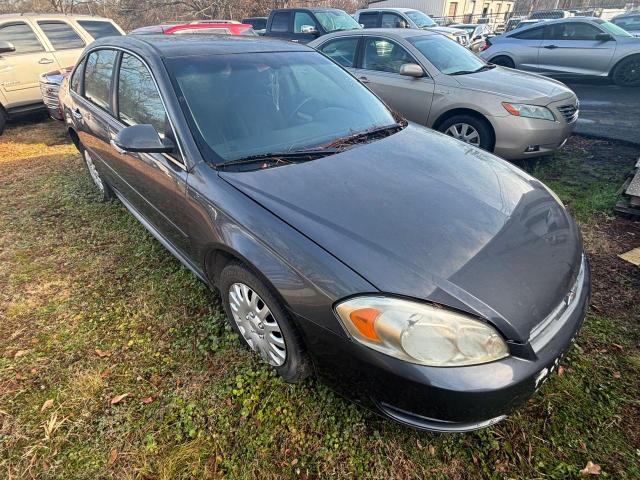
(433, 81)
(578, 46)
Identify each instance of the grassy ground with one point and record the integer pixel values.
(115, 362)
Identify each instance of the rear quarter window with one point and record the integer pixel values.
(99, 28)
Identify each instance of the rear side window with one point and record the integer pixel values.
(22, 38)
(61, 35)
(530, 34)
(74, 83)
(98, 29)
(342, 50)
(368, 20)
(97, 77)
(280, 22)
(139, 101)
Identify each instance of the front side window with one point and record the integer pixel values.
(74, 83)
(530, 34)
(263, 103)
(447, 56)
(61, 35)
(369, 19)
(342, 50)
(572, 31)
(97, 77)
(139, 101)
(422, 20)
(300, 19)
(336, 20)
(21, 36)
(99, 28)
(280, 22)
(385, 55)
(392, 20)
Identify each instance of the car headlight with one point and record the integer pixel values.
(529, 111)
(420, 333)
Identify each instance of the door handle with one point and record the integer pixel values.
(364, 80)
(45, 61)
(295, 41)
(550, 47)
(76, 114)
(115, 146)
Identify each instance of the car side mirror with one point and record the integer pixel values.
(411, 70)
(6, 47)
(604, 37)
(309, 29)
(142, 139)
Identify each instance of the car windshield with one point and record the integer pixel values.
(614, 29)
(254, 104)
(420, 19)
(334, 20)
(446, 55)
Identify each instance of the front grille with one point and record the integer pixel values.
(569, 112)
(50, 94)
(462, 40)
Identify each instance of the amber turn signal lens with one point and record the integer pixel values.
(511, 109)
(364, 319)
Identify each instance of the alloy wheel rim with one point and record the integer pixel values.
(465, 133)
(257, 324)
(95, 176)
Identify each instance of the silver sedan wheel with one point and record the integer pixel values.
(257, 325)
(95, 176)
(465, 133)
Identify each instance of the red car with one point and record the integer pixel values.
(224, 27)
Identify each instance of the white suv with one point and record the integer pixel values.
(32, 44)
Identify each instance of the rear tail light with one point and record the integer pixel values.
(486, 45)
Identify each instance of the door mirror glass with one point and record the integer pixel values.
(411, 70)
(603, 37)
(6, 47)
(309, 29)
(142, 139)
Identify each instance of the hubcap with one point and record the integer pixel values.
(95, 176)
(257, 324)
(465, 133)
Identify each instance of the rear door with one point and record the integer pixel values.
(572, 48)
(20, 70)
(65, 40)
(524, 47)
(379, 69)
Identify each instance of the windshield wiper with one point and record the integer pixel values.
(372, 133)
(280, 157)
(467, 72)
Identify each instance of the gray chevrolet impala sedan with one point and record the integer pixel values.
(425, 278)
(433, 81)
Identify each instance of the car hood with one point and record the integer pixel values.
(516, 85)
(419, 214)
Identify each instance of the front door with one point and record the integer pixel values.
(379, 69)
(20, 70)
(572, 48)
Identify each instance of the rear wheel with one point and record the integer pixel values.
(503, 61)
(262, 322)
(469, 129)
(627, 72)
(106, 194)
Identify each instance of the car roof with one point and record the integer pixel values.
(391, 32)
(454, 25)
(394, 9)
(311, 9)
(167, 46)
(61, 16)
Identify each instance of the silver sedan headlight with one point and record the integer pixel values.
(528, 111)
(420, 333)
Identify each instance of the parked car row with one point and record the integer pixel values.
(426, 278)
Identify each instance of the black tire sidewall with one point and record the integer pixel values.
(3, 120)
(621, 65)
(296, 366)
(106, 194)
(487, 141)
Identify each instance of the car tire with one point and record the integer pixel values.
(627, 72)
(104, 190)
(272, 334)
(503, 61)
(3, 120)
(466, 127)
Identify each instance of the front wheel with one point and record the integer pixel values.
(503, 61)
(627, 72)
(262, 322)
(469, 129)
(106, 194)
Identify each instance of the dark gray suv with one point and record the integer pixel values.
(420, 275)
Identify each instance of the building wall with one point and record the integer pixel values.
(462, 10)
(430, 7)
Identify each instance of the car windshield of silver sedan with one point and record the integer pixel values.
(272, 108)
(420, 19)
(614, 29)
(448, 56)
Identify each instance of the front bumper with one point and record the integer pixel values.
(515, 134)
(452, 399)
